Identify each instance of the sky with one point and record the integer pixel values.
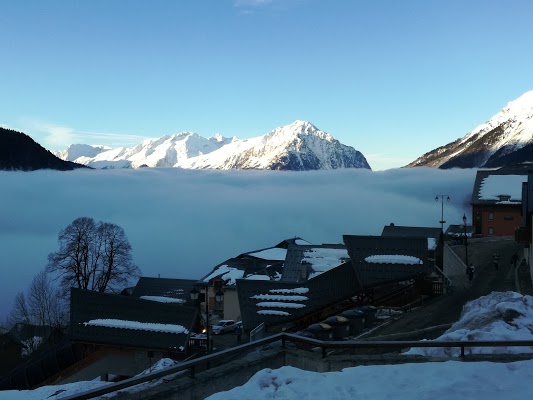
(485, 318)
(182, 223)
(393, 79)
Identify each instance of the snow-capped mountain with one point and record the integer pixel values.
(506, 138)
(298, 146)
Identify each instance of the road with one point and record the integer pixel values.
(447, 308)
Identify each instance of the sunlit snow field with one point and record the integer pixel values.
(181, 223)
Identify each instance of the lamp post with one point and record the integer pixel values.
(466, 241)
(442, 222)
(194, 297)
(219, 296)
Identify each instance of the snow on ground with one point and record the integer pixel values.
(452, 380)
(498, 316)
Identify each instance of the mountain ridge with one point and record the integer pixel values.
(297, 146)
(505, 138)
(19, 152)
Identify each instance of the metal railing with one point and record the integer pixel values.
(203, 362)
(258, 332)
(447, 280)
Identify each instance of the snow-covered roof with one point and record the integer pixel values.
(299, 290)
(323, 259)
(279, 304)
(494, 186)
(393, 259)
(163, 299)
(279, 297)
(257, 277)
(226, 273)
(273, 312)
(136, 325)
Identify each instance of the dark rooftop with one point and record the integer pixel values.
(88, 306)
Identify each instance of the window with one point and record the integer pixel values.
(491, 216)
(491, 231)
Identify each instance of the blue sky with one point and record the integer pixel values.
(393, 79)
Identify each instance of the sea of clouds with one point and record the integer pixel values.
(181, 223)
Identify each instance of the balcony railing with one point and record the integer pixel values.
(203, 363)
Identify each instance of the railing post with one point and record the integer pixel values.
(462, 351)
(324, 352)
(283, 341)
(192, 371)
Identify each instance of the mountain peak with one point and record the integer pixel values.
(297, 146)
(301, 124)
(506, 138)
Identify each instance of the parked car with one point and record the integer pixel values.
(224, 326)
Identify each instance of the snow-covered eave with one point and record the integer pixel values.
(393, 259)
(496, 202)
(113, 323)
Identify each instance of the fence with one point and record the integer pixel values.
(203, 362)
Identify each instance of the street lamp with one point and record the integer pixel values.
(219, 296)
(442, 222)
(466, 241)
(195, 294)
(194, 297)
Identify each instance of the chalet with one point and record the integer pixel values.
(313, 277)
(264, 264)
(316, 278)
(497, 200)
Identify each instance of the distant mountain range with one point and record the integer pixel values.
(505, 139)
(299, 146)
(19, 152)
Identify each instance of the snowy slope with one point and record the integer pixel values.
(75, 151)
(166, 151)
(298, 146)
(497, 316)
(506, 138)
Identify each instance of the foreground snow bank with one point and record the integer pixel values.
(452, 380)
(497, 316)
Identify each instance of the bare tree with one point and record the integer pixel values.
(45, 302)
(20, 311)
(42, 304)
(94, 256)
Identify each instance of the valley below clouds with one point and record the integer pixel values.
(181, 223)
